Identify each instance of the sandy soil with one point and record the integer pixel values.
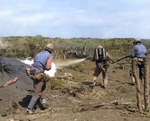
(116, 103)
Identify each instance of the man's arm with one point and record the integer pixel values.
(133, 52)
(108, 56)
(146, 52)
(48, 64)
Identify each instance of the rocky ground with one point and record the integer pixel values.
(76, 101)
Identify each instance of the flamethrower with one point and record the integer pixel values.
(107, 59)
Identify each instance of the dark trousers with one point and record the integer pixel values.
(39, 92)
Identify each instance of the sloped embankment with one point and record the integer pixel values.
(11, 68)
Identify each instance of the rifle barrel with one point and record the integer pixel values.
(123, 58)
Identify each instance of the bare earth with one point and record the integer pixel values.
(116, 103)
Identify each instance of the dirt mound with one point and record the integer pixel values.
(12, 68)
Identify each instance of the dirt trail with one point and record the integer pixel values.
(116, 103)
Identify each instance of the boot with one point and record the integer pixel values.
(29, 111)
(43, 103)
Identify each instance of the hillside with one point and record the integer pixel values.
(69, 95)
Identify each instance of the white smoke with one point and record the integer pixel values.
(62, 64)
(51, 72)
(56, 65)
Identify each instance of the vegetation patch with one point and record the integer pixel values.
(67, 86)
(64, 48)
(77, 67)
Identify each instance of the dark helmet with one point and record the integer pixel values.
(49, 47)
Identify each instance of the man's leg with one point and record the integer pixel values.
(36, 95)
(96, 74)
(105, 78)
(140, 72)
(94, 80)
(43, 96)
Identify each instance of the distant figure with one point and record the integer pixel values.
(138, 53)
(100, 58)
(42, 62)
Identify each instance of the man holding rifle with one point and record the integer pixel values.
(138, 53)
(139, 50)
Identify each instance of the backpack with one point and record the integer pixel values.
(99, 53)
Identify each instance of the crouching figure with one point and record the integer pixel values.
(42, 62)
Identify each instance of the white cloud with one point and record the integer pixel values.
(5, 13)
(33, 20)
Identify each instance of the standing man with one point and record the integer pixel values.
(138, 53)
(100, 58)
(42, 61)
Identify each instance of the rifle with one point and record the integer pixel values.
(127, 56)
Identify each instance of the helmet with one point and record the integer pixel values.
(49, 47)
(137, 40)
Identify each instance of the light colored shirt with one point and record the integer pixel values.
(139, 51)
(40, 60)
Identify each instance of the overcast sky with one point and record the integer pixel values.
(75, 18)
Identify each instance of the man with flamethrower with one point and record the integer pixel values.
(42, 62)
(100, 58)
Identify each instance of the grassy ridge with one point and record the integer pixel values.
(22, 47)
